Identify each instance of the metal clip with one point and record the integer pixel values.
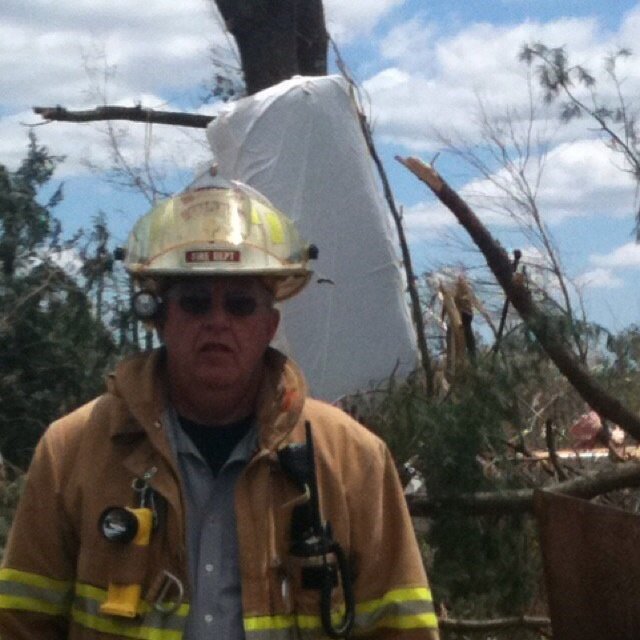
(146, 495)
(301, 499)
(160, 603)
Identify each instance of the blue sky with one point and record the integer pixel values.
(426, 68)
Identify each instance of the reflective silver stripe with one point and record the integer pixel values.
(396, 612)
(136, 629)
(287, 629)
(404, 608)
(61, 600)
(150, 625)
(89, 592)
(26, 591)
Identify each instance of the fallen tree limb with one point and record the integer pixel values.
(132, 114)
(527, 622)
(592, 393)
(622, 476)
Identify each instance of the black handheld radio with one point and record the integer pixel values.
(312, 539)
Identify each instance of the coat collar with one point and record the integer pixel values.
(141, 383)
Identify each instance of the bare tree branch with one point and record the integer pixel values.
(416, 310)
(481, 503)
(622, 476)
(551, 447)
(132, 114)
(540, 324)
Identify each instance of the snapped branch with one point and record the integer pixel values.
(622, 476)
(541, 325)
(132, 114)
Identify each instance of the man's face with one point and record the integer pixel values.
(216, 331)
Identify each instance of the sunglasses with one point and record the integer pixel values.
(239, 304)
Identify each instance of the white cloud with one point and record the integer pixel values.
(42, 46)
(79, 53)
(599, 278)
(585, 178)
(580, 179)
(628, 255)
(410, 44)
(170, 148)
(433, 84)
(347, 21)
(69, 260)
(426, 219)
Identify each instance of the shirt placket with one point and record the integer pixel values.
(216, 608)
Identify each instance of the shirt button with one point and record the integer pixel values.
(208, 618)
(208, 568)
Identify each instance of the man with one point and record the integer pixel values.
(204, 495)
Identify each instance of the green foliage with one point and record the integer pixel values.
(25, 223)
(475, 437)
(482, 566)
(53, 351)
(615, 117)
(479, 566)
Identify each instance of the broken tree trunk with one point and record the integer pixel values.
(277, 39)
(540, 324)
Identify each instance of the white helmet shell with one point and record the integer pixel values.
(225, 229)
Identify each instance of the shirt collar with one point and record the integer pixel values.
(182, 444)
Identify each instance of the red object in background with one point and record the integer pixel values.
(585, 430)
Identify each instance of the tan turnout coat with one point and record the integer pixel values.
(57, 567)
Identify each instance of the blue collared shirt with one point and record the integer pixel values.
(212, 544)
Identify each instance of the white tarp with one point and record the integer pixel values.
(301, 145)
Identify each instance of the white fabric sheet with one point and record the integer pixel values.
(301, 145)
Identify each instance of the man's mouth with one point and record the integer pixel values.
(214, 347)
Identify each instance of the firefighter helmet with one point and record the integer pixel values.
(219, 228)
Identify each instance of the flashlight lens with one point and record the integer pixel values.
(145, 305)
(118, 524)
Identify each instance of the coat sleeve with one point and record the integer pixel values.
(391, 587)
(37, 574)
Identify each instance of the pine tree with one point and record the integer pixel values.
(53, 351)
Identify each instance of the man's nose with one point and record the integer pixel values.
(218, 315)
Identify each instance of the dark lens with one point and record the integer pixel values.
(196, 304)
(240, 304)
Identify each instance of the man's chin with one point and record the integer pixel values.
(215, 378)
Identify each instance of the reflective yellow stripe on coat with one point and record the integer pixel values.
(20, 590)
(410, 608)
(149, 625)
(32, 592)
